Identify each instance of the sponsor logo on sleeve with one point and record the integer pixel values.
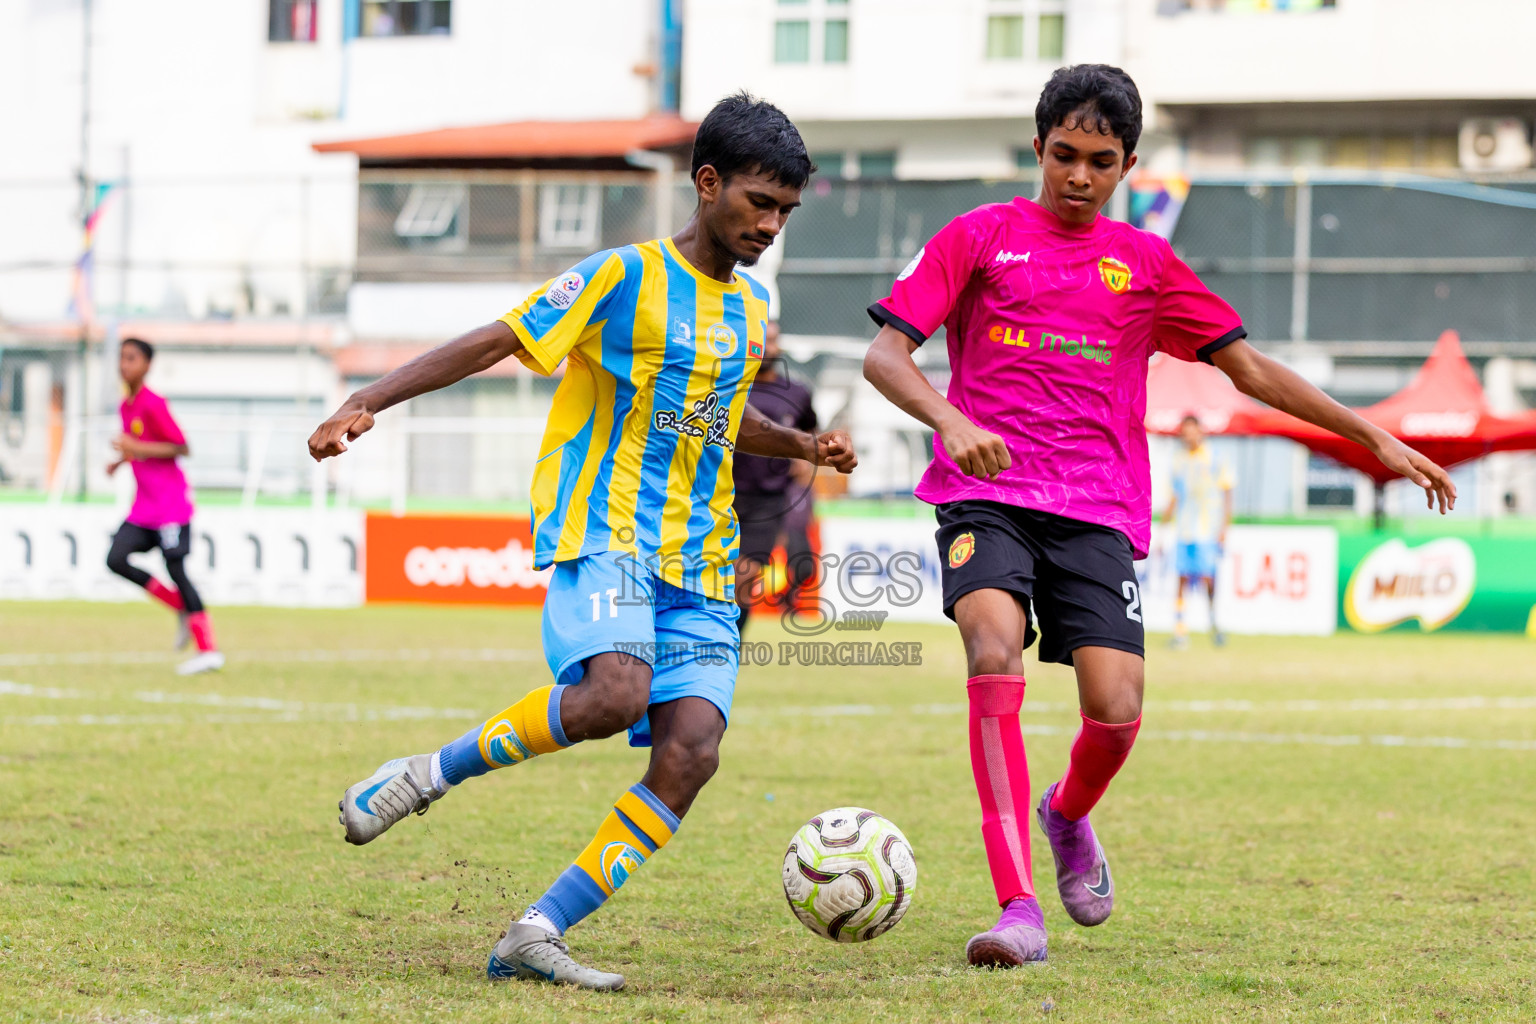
(1116, 275)
(911, 268)
(564, 291)
(1004, 256)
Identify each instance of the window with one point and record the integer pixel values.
(811, 32)
(291, 21)
(1053, 37)
(433, 213)
(877, 165)
(1373, 152)
(1167, 7)
(406, 17)
(1005, 37)
(835, 42)
(568, 216)
(830, 164)
(792, 42)
(1026, 30)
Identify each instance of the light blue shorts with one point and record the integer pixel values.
(611, 602)
(1198, 559)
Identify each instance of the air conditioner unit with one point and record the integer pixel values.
(1494, 144)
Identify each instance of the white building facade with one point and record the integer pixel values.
(917, 89)
(221, 233)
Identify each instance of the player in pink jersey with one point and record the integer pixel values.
(161, 516)
(1040, 472)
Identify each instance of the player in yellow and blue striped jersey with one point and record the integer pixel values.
(1201, 509)
(632, 505)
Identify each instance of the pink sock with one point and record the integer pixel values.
(1097, 754)
(1002, 782)
(202, 631)
(164, 594)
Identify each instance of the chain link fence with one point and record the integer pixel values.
(177, 249)
(1364, 273)
(491, 225)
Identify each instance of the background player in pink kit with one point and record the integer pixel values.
(161, 516)
(1040, 472)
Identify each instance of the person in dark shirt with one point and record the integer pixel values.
(772, 497)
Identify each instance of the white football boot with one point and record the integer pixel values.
(399, 788)
(207, 661)
(530, 952)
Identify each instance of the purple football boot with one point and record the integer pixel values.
(1018, 938)
(1082, 873)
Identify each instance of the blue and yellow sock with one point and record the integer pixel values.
(526, 729)
(638, 826)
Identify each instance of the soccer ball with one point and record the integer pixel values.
(849, 874)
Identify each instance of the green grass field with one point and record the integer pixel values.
(1328, 830)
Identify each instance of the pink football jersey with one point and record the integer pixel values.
(163, 497)
(1050, 326)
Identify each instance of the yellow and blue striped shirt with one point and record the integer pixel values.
(1201, 482)
(637, 453)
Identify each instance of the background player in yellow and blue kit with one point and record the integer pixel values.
(632, 505)
(1201, 508)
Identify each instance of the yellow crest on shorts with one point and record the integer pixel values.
(961, 550)
(1116, 275)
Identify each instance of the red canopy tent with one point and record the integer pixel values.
(1442, 413)
(1176, 389)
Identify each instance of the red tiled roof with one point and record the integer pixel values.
(523, 140)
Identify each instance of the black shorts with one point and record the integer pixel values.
(174, 540)
(1080, 577)
(760, 520)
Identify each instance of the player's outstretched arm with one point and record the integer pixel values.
(1275, 384)
(889, 367)
(480, 349)
(760, 435)
(133, 449)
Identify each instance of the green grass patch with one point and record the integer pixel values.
(169, 848)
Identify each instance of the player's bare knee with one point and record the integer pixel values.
(991, 656)
(689, 762)
(1120, 702)
(612, 696)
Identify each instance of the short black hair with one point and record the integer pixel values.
(1095, 97)
(746, 134)
(1189, 418)
(143, 346)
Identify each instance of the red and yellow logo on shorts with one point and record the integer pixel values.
(961, 550)
(1116, 275)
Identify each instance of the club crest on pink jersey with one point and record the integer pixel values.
(1116, 275)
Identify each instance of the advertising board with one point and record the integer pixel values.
(452, 559)
(287, 557)
(1471, 583)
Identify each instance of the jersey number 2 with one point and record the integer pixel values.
(1132, 600)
